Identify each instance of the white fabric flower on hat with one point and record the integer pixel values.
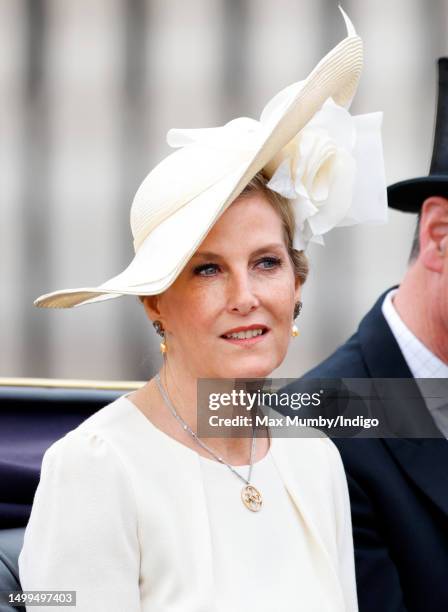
(319, 170)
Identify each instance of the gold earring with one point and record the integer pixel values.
(294, 331)
(163, 346)
(159, 330)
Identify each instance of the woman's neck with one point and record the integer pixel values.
(181, 390)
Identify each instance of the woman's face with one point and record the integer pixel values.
(229, 313)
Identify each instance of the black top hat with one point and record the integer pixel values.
(409, 195)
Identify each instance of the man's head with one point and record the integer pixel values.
(422, 300)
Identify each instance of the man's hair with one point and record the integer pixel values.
(415, 248)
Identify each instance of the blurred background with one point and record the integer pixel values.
(88, 91)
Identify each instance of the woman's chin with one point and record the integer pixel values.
(262, 369)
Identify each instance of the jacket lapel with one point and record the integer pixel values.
(380, 350)
(423, 459)
(298, 480)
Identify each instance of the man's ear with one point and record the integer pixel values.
(434, 233)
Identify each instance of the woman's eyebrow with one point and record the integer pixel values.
(267, 247)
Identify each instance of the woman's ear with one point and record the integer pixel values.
(151, 306)
(434, 233)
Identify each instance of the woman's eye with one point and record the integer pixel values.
(267, 263)
(211, 269)
(206, 270)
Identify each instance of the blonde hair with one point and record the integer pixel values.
(286, 213)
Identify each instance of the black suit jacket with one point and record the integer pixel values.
(398, 490)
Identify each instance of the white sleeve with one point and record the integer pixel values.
(82, 532)
(344, 534)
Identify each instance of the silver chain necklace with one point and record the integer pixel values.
(250, 496)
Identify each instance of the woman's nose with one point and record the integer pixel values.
(241, 298)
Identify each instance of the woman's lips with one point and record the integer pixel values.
(247, 341)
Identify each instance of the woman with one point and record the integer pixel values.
(134, 511)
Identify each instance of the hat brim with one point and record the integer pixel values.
(409, 195)
(168, 247)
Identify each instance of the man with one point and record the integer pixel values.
(399, 486)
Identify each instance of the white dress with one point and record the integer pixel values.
(262, 560)
(133, 520)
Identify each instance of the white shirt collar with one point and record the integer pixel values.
(421, 361)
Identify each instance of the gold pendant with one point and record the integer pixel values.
(251, 498)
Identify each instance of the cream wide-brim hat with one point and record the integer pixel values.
(183, 196)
